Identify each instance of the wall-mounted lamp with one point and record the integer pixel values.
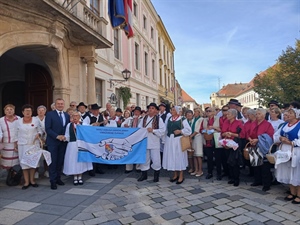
(126, 75)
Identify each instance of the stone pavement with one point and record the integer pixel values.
(116, 198)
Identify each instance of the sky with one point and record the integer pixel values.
(226, 41)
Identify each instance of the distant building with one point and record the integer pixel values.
(187, 101)
(248, 97)
(222, 97)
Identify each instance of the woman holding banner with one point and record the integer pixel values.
(71, 164)
(174, 158)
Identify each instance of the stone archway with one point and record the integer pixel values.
(25, 78)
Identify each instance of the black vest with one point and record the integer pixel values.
(164, 117)
(93, 119)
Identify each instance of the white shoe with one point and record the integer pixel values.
(46, 174)
(36, 175)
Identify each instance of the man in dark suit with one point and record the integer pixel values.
(55, 125)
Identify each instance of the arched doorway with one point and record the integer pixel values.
(24, 78)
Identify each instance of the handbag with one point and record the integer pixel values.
(14, 176)
(185, 141)
(256, 156)
(246, 152)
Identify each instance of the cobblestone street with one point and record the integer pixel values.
(117, 198)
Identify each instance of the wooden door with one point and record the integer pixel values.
(38, 86)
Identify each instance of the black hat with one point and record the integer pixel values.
(81, 104)
(163, 104)
(239, 104)
(273, 102)
(137, 108)
(119, 110)
(95, 106)
(234, 101)
(154, 105)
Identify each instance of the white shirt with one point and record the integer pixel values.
(154, 138)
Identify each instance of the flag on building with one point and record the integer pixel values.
(120, 14)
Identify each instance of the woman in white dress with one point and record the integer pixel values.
(197, 142)
(28, 131)
(71, 164)
(41, 116)
(174, 158)
(8, 135)
(289, 172)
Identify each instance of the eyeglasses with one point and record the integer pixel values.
(208, 111)
(72, 105)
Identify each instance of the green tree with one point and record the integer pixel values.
(281, 82)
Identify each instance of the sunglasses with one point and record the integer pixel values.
(72, 105)
(208, 111)
(224, 110)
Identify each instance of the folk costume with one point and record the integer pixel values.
(153, 145)
(289, 172)
(174, 158)
(8, 134)
(71, 165)
(26, 133)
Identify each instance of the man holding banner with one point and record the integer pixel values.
(156, 129)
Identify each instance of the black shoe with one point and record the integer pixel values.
(80, 181)
(180, 182)
(287, 198)
(138, 171)
(265, 188)
(144, 176)
(53, 186)
(296, 202)
(59, 182)
(275, 182)
(173, 180)
(208, 176)
(25, 187)
(230, 182)
(156, 176)
(34, 185)
(219, 177)
(236, 183)
(128, 171)
(255, 184)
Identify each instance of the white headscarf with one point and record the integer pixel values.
(178, 109)
(297, 112)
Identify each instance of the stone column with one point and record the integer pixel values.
(91, 90)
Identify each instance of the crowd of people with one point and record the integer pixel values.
(209, 131)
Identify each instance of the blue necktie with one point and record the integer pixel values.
(61, 119)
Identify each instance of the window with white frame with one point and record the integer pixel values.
(152, 33)
(135, 9)
(136, 56)
(153, 69)
(146, 63)
(116, 44)
(145, 22)
(94, 6)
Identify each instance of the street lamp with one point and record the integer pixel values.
(126, 75)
